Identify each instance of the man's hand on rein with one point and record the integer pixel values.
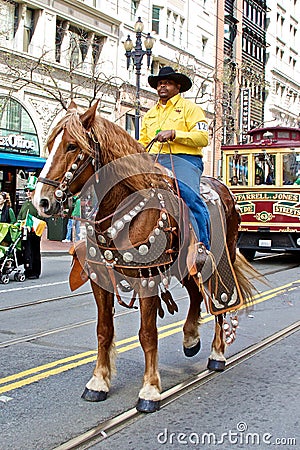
(166, 135)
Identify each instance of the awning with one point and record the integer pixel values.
(17, 160)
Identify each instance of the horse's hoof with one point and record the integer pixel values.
(192, 351)
(147, 406)
(94, 396)
(217, 366)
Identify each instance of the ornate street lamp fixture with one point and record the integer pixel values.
(136, 54)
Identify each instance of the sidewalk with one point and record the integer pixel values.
(53, 248)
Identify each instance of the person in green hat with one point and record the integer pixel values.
(32, 244)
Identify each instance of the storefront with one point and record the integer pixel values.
(19, 150)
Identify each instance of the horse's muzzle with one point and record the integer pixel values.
(48, 208)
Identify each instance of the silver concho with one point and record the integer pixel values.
(144, 282)
(93, 276)
(90, 230)
(74, 166)
(157, 231)
(151, 239)
(68, 176)
(119, 225)
(151, 284)
(143, 249)
(160, 223)
(108, 255)
(92, 252)
(128, 257)
(127, 218)
(224, 297)
(164, 216)
(111, 232)
(101, 239)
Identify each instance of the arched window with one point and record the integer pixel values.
(17, 131)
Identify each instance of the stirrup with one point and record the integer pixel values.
(201, 256)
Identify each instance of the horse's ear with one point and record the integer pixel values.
(72, 105)
(88, 118)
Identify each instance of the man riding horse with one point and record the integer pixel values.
(181, 131)
(133, 235)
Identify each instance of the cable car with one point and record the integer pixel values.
(264, 176)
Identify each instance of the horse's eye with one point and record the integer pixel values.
(71, 147)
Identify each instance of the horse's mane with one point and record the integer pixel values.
(115, 143)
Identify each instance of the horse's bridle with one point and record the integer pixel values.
(63, 193)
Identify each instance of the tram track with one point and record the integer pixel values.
(258, 298)
(114, 425)
(27, 377)
(80, 294)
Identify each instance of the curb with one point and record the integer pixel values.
(55, 253)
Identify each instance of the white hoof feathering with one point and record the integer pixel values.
(149, 392)
(217, 356)
(97, 385)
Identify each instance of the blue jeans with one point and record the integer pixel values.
(70, 229)
(188, 170)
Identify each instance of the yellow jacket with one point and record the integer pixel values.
(181, 115)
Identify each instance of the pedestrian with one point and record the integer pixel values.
(7, 214)
(73, 222)
(32, 242)
(180, 130)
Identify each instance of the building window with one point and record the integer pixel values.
(168, 23)
(174, 21)
(133, 9)
(28, 28)
(17, 131)
(129, 125)
(97, 47)
(60, 32)
(155, 18)
(204, 44)
(78, 46)
(7, 13)
(181, 23)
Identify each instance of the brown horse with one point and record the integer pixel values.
(137, 238)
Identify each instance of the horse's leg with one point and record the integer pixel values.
(149, 395)
(191, 336)
(217, 359)
(98, 386)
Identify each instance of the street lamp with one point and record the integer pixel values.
(136, 54)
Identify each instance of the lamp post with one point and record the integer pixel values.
(136, 54)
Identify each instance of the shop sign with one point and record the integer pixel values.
(20, 143)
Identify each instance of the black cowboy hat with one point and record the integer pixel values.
(168, 73)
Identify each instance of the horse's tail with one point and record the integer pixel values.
(246, 274)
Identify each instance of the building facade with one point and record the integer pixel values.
(282, 105)
(54, 51)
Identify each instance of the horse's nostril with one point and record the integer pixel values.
(44, 203)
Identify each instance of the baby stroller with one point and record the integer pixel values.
(10, 252)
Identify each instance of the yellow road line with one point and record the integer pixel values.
(127, 344)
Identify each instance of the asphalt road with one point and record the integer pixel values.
(48, 353)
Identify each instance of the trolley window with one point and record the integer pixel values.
(264, 168)
(291, 168)
(238, 170)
